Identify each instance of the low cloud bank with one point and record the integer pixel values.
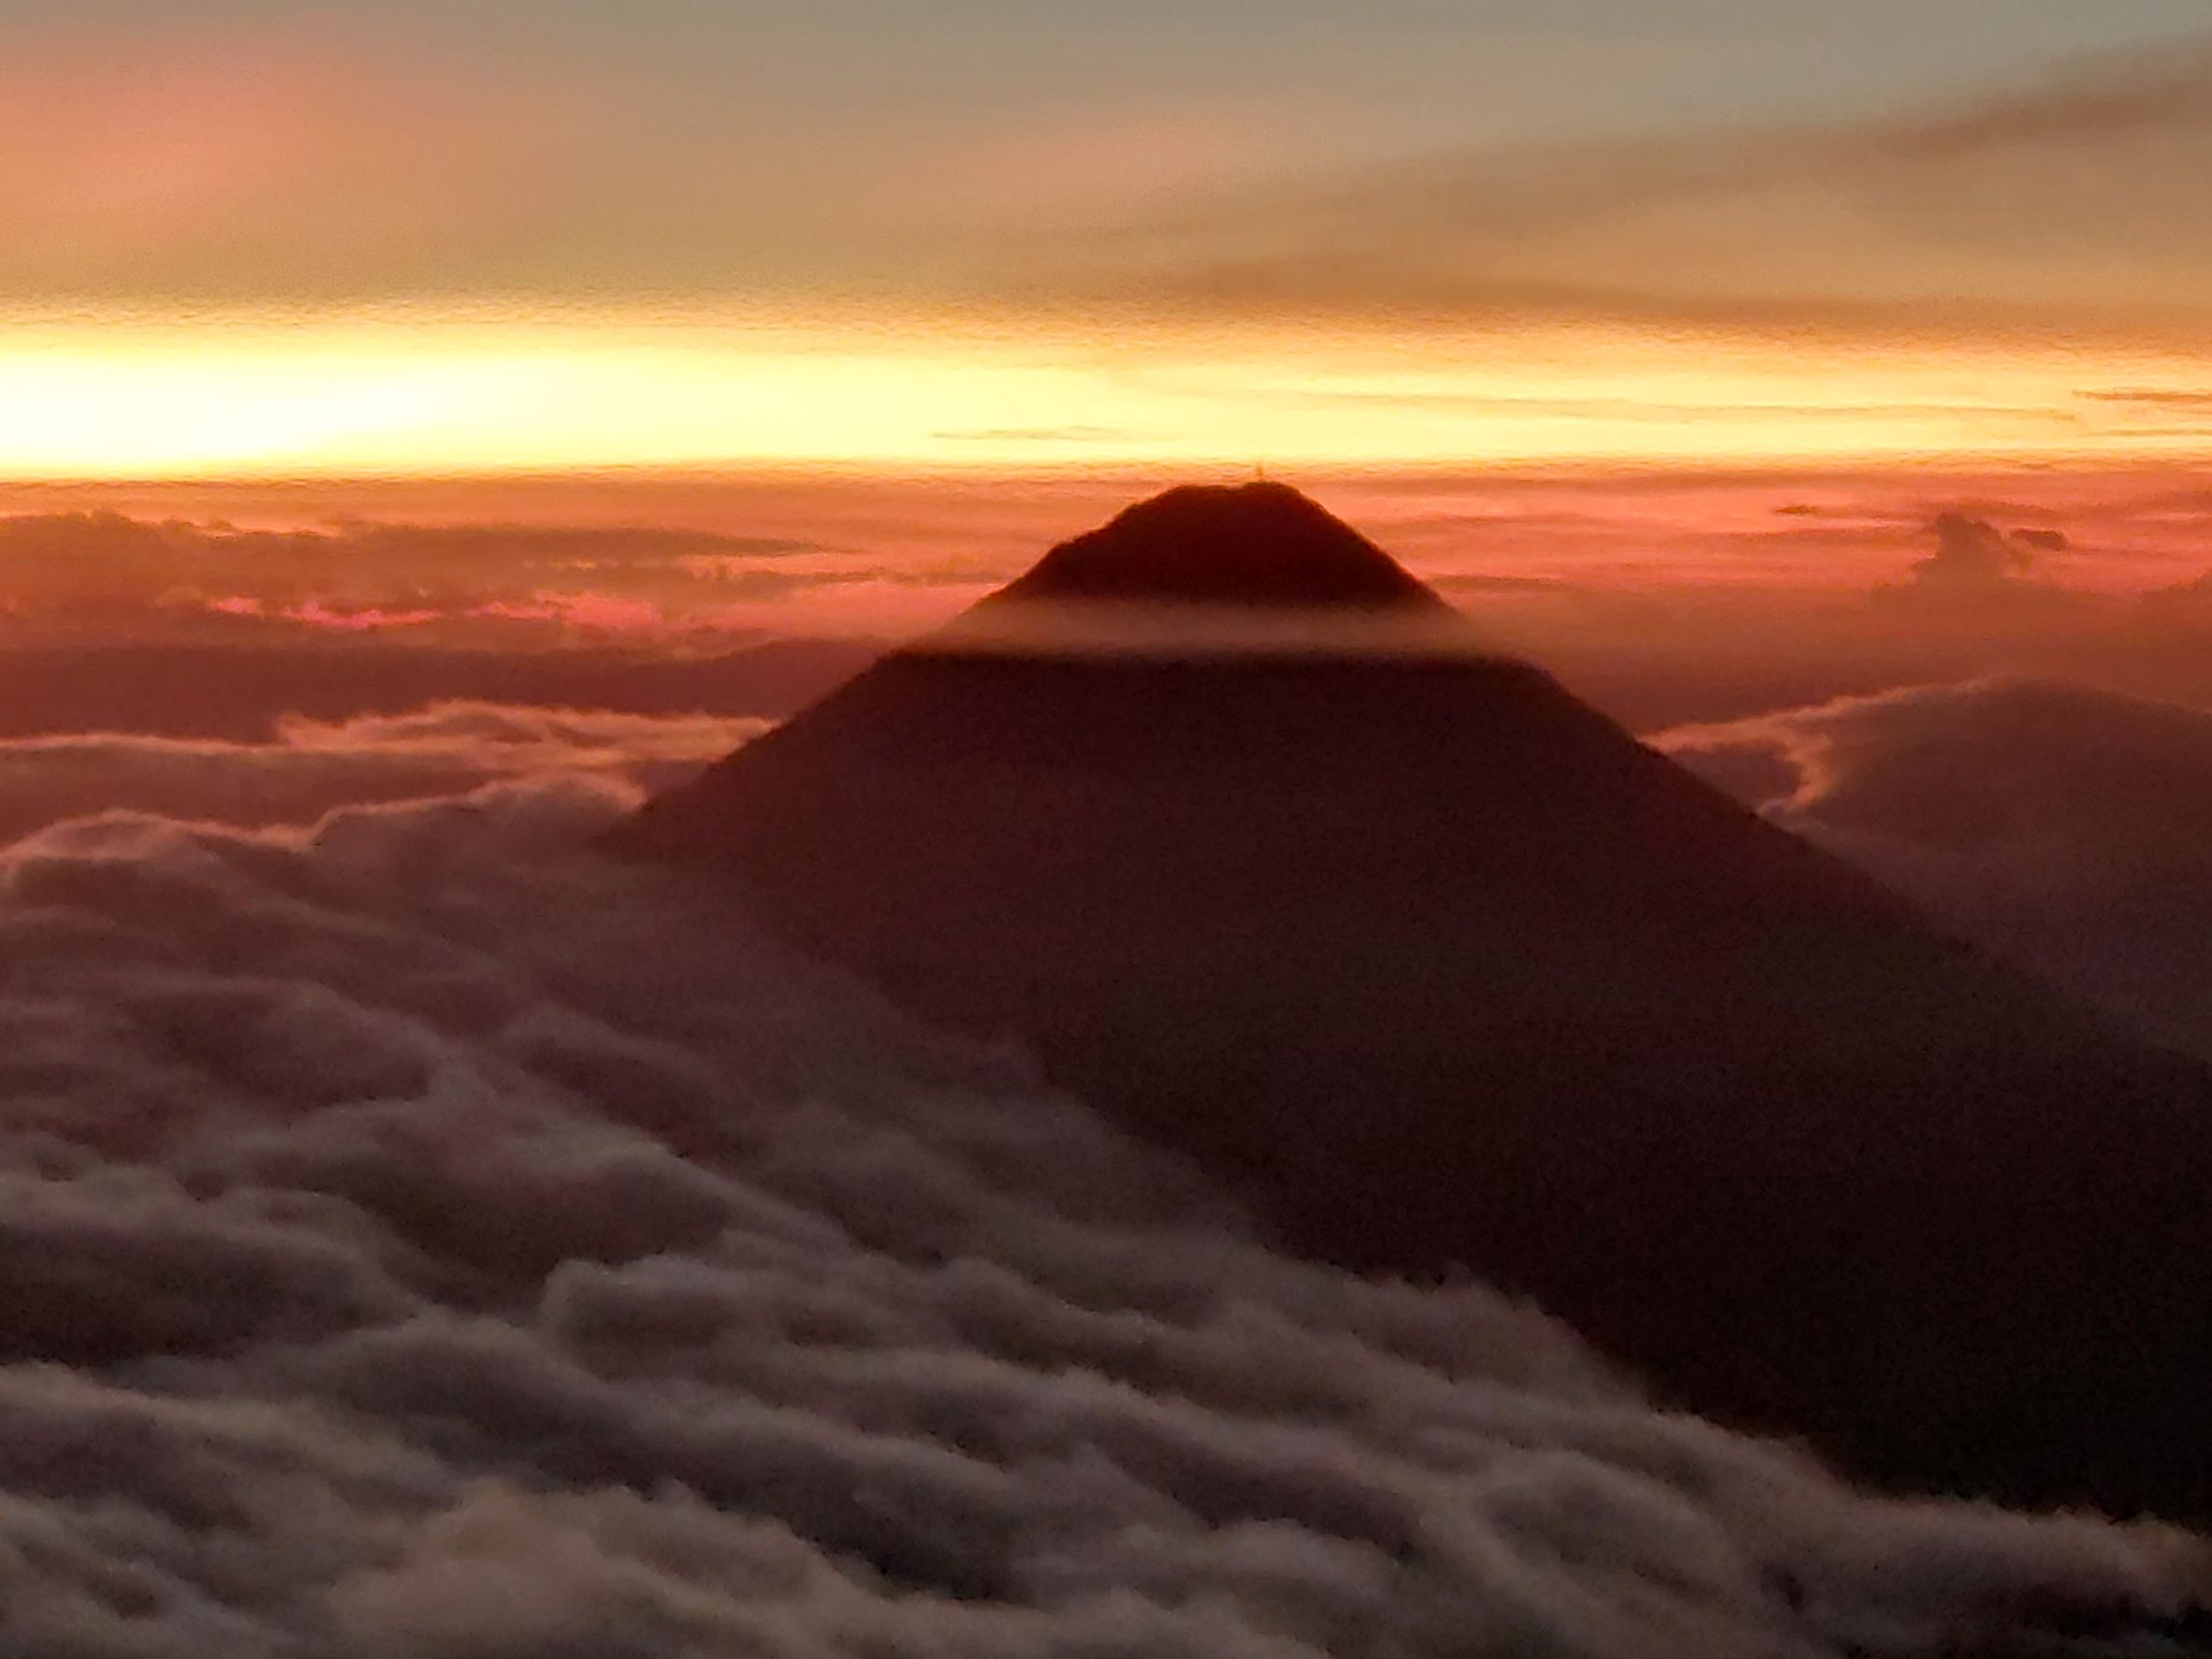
(426, 1238)
(308, 767)
(2067, 827)
(363, 572)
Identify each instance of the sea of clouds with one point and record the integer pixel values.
(421, 1237)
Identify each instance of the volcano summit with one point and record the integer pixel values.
(1441, 969)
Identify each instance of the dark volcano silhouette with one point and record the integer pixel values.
(1440, 968)
(1263, 545)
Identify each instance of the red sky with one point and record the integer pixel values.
(809, 551)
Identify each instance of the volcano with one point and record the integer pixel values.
(1441, 971)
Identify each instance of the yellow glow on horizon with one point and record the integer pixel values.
(151, 396)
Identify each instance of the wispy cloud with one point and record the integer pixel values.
(2087, 197)
(2153, 398)
(71, 570)
(1078, 434)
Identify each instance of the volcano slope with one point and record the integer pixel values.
(1219, 811)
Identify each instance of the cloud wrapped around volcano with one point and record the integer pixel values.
(2066, 826)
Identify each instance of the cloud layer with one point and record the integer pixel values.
(2068, 827)
(76, 570)
(310, 767)
(425, 1239)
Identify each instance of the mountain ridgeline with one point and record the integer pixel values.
(1442, 970)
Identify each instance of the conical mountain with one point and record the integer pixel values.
(1260, 546)
(1442, 970)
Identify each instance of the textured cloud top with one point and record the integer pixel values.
(424, 1240)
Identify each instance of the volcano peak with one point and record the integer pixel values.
(1261, 544)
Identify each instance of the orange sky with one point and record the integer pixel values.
(1582, 294)
(415, 390)
(269, 247)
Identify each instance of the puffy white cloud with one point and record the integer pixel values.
(2068, 827)
(1972, 553)
(426, 1238)
(1976, 564)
